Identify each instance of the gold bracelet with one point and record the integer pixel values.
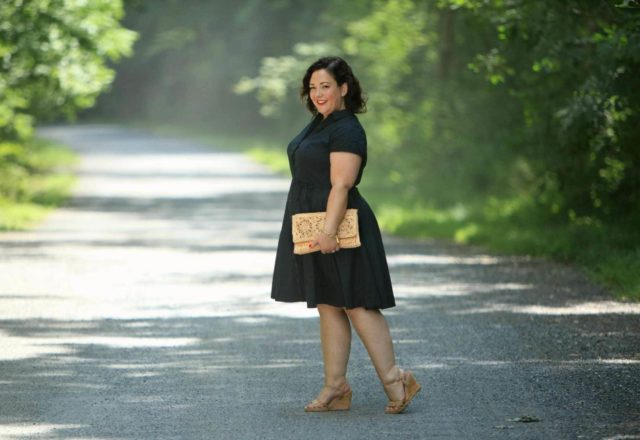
(335, 235)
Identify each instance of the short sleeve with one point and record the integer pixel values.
(349, 138)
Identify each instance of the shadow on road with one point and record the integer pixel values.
(141, 310)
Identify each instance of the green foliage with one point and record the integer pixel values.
(190, 56)
(619, 270)
(53, 57)
(279, 77)
(573, 67)
(423, 119)
(276, 162)
(394, 31)
(490, 120)
(34, 176)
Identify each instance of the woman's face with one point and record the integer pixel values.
(325, 93)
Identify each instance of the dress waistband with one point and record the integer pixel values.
(301, 189)
(310, 195)
(310, 185)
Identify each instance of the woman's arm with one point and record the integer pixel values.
(344, 172)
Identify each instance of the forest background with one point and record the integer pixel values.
(507, 123)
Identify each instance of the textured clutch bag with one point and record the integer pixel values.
(308, 225)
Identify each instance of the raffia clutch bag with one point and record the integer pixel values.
(306, 226)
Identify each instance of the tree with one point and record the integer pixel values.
(573, 66)
(53, 58)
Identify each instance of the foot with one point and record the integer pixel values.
(401, 392)
(393, 386)
(328, 396)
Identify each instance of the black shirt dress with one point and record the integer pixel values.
(350, 277)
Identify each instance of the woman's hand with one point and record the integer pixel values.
(344, 171)
(328, 245)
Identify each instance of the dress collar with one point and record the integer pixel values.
(318, 124)
(333, 116)
(337, 115)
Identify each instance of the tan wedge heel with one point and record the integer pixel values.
(411, 388)
(338, 403)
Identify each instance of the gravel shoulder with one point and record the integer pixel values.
(141, 310)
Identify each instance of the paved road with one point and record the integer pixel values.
(140, 311)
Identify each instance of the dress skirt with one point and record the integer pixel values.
(349, 278)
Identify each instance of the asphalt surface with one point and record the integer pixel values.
(141, 310)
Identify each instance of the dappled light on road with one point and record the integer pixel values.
(455, 289)
(453, 363)
(397, 260)
(26, 431)
(14, 348)
(586, 308)
(158, 228)
(147, 297)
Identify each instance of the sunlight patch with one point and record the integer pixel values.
(406, 259)
(588, 308)
(14, 348)
(454, 289)
(27, 431)
(128, 342)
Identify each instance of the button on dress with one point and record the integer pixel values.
(349, 278)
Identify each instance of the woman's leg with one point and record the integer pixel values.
(374, 332)
(335, 336)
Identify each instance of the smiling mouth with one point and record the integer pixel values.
(321, 102)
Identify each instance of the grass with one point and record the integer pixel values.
(35, 177)
(609, 253)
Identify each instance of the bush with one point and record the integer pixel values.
(34, 176)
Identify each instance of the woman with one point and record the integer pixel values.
(348, 286)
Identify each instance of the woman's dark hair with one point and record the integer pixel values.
(341, 72)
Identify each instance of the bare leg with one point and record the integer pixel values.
(373, 330)
(335, 335)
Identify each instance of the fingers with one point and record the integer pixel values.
(324, 250)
